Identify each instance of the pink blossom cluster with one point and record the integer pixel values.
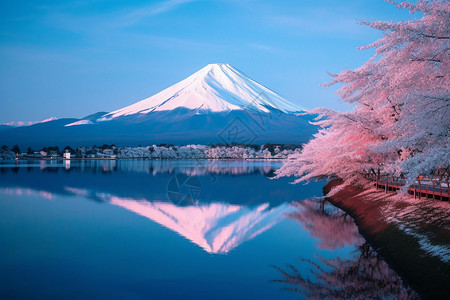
(400, 123)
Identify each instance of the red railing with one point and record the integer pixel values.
(422, 186)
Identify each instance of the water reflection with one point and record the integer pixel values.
(216, 227)
(27, 191)
(153, 167)
(201, 201)
(216, 205)
(364, 275)
(334, 228)
(207, 181)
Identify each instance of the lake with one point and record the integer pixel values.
(153, 229)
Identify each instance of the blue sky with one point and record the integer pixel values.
(73, 58)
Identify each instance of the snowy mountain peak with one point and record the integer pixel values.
(215, 88)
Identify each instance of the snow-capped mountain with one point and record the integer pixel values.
(91, 119)
(217, 104)
(215, 88)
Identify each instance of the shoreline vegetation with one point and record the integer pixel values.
(161, 151)
(410, 234)
(146, 158)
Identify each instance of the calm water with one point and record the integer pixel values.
(175, 230)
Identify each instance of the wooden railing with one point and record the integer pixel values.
(422, 186)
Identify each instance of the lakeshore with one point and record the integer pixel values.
(142, 158)
(412, 235)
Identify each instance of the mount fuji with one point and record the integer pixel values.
(217, 104)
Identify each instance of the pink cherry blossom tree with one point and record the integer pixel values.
(400, 123)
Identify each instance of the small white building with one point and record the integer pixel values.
(67, 155)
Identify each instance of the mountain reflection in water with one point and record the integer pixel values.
(216, 205)
(226, 213)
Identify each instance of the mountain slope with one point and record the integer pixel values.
(217, 104)
(91, 119)
(215, 88)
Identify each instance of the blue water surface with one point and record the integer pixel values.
(142, 229)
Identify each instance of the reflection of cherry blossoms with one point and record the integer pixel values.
(331, 226)
(365, 276)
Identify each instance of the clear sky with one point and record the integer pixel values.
(73, 58)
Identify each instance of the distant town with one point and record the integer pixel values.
(160, 151)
